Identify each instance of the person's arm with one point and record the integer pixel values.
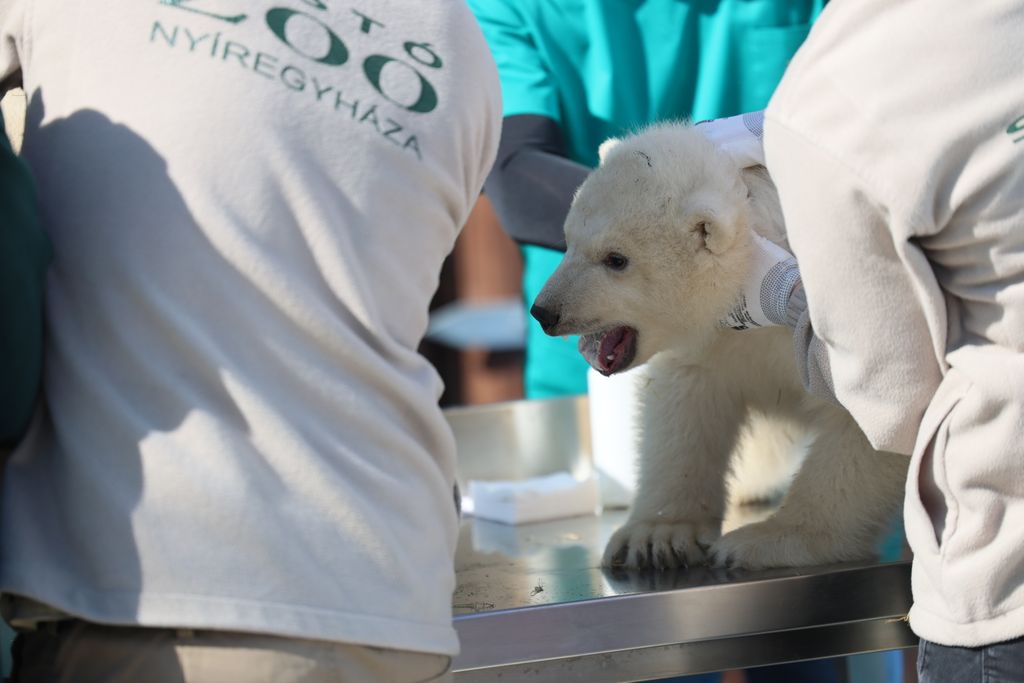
(533, 180)
(532, 183)
(868, 332)
(24, 255)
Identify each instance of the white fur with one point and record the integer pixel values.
(681, 212)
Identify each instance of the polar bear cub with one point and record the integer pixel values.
(658, 243)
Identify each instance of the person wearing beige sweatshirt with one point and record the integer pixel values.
(241, 472)
(896, 141)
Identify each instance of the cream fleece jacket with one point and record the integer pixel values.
(896, 140)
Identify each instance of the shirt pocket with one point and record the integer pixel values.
(765, 52)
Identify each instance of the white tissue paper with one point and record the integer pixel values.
(534, 500)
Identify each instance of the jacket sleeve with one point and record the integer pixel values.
(533, 183)
(869, 332)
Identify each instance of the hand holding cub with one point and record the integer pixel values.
(767, 296)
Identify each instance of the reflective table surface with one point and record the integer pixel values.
(532, 603)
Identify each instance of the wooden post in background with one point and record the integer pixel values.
(488, 267)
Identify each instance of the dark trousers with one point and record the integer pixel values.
(999, 663)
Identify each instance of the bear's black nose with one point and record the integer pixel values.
(546, 318)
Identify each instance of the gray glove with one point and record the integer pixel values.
(740, 137)
(770, 290)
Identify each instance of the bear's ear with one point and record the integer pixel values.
(718, 237)
(764, 203)
(606, 147)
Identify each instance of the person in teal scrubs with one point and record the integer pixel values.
(576, 72)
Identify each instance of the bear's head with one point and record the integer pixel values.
(658, 243)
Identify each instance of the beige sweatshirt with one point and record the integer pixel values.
(896, 140)
(249, 203)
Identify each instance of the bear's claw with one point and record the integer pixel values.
(660, 545)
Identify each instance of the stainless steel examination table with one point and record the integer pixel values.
(532, 602)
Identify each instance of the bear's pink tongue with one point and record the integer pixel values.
(609, 351)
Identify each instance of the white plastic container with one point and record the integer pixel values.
(614, 430)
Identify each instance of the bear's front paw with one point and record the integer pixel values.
(661, 545)
(772, 543)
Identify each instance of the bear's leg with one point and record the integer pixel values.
(689, 428)
(841, 501)
(770, 453)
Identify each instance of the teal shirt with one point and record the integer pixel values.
(24, 255)
(604, 68)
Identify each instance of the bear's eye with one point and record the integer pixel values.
(615, 261)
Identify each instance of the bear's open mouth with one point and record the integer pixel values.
(611, 350)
